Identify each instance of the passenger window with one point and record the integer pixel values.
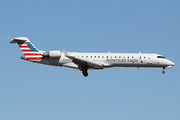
(119, 56)
(94, 56)
(106, 56)
(102, 56)
(144, 57)
(132, 57)
(86, 56)
(91, 56)
(98, 56)
(115, 56)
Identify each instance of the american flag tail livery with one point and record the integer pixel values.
(30, 52)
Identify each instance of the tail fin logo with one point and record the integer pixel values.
(30, 51)
(31, 47)
(27, 47)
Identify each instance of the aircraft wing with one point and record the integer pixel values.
(81, 62)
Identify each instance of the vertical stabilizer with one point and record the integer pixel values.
(29, 50)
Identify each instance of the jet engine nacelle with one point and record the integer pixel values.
(53, 54)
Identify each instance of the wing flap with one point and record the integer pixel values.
(82, 62)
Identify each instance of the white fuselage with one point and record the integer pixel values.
(86, 61)
(111, 60)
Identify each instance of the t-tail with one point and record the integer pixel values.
(29, 50)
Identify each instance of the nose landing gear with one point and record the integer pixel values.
(163, 72)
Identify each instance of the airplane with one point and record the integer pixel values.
(87, 61)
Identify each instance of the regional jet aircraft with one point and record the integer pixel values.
(87, 61)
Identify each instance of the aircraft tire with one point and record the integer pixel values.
(85, 73)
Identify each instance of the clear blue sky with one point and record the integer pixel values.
(30, 91)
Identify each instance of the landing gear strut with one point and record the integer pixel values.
(84, 71)
(163, 72)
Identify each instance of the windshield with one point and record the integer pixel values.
(160, 57)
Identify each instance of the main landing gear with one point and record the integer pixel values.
(84, 71)
(163, 72)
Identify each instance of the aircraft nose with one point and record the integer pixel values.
(171, 63)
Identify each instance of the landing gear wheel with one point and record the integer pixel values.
(85, 73)
(163, 72)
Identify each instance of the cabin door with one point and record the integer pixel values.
(149, 61)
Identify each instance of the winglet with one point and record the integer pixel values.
(66, 54)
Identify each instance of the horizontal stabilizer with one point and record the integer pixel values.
(18, 39)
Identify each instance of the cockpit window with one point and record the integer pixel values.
(160, 57)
